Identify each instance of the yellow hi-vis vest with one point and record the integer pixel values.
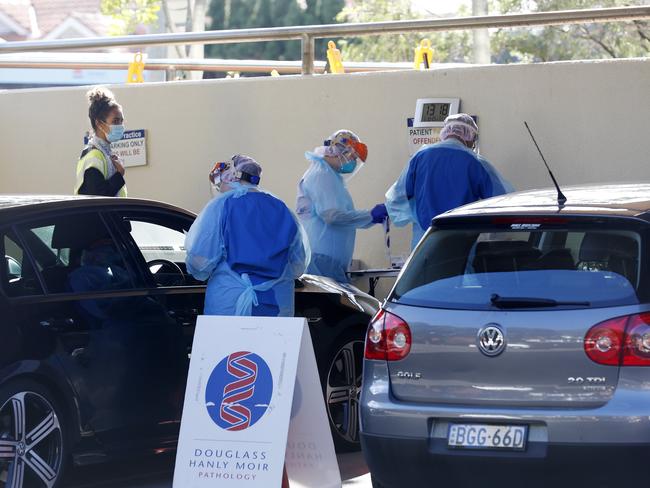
(94, 159)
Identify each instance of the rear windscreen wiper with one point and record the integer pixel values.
(527, 302)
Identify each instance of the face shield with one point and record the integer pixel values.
(224, 174)
(218, 174)
(349, 164)
(349, 152)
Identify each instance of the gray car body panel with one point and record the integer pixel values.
(543, 363)
(623, 419)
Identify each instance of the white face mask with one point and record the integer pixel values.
(115, 133)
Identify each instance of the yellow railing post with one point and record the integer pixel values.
(136, 70)
(423, 55)
(334, 58)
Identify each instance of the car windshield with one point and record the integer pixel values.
(486, 269)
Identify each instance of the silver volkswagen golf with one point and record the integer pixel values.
(514, 349)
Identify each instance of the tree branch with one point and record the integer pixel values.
(590, 37)
(642, 33)
(171, 27)
(198, 25)
(227, 7)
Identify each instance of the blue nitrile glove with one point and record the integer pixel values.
(379, 213)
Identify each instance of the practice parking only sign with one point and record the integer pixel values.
(132, 148)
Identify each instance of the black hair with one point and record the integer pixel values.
(101, 101)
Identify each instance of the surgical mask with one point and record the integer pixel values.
(348, 167)
(115, 133)
(347, 162)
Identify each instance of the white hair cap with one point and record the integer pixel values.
(461, 126)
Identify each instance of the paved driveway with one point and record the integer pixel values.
(158, 474)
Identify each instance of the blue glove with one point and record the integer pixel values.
(379, 213)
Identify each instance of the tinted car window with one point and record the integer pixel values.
(156, 241)
(160, 238)
(45, 235)
(465, 269)
(76, 253)
(18, 277)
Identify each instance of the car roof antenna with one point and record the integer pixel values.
(561, 199)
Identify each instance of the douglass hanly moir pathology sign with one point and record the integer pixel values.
(238, 404)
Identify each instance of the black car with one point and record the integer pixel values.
(98, 316)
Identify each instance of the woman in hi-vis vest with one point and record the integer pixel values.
(99, 171)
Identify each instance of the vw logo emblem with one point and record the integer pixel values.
(491, 340)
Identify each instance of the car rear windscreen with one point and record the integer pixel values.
(472, 267)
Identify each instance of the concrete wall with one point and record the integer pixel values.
(590, 118)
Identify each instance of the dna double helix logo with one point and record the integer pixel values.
(239, 391)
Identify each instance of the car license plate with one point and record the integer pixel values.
(480, 436)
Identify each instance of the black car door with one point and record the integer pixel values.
(156, 241)
(115, 341)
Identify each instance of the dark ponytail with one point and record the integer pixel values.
(101, 101)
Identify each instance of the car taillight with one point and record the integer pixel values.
(637, 341)
(623, 341)
(388, 338)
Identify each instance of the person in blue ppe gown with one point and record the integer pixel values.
(325, 207)
(248, 244)
(443, 176)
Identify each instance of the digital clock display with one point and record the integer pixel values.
(435, 112)
(432, 112)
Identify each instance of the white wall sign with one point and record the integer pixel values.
(239, 402)
(132, 148)
(421, 136)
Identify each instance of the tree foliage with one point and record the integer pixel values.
(529, 44)
(129, 14)
(447, 46)
(244, 14)
(580, 41)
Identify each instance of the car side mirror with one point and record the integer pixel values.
(13, 267)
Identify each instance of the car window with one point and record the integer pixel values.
(160, 238)
(45, 235)
(18, 277)
(76, 253)
(157, 242)
(460, 268)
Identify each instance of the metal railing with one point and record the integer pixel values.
(120, 61)
(307, 34)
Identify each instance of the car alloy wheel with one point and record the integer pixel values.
(31, 442)
(342, 393)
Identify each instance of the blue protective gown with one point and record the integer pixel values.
(438, 178)
(326, 211)
(251, 247)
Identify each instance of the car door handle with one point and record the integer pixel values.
(57, 324)
(183, 312)
(184, 317)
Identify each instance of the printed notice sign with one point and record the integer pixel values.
(239, 403)
(132, 148)
(422, 136)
